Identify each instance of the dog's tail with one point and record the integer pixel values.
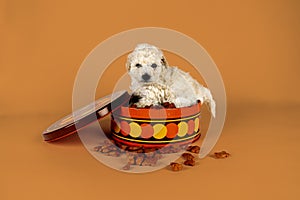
(206, 97)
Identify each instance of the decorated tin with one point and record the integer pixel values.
(155, 127)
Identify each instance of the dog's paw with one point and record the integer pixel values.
(152, 94)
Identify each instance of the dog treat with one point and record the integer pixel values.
(149, 161)
(168, 105)
(131, 158)
(189, 162)
(139, 156)
(104, 149)
(221, 154)
(134, 148)
(176, 166)
(108, 149)
(126, 167)
(193, 149)
(123, 148)
(97, 148)
(139, 159)
(188, 156)
(113, 153)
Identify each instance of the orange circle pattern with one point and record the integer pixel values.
(158, 130)
(147, 131)
(172, 130)
(125, 128)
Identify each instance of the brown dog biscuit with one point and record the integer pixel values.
(188, 156)
(221, 154)
(176, 166)
(193, 149)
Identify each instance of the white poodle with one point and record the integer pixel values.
(152, 78)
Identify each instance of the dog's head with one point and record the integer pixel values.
(146, 63)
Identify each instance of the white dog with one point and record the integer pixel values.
(147, 65)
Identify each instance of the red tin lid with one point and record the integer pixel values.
(84, 116)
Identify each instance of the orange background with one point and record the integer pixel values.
(255, 45)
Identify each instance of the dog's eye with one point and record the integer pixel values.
(138, 65)
(154, 65)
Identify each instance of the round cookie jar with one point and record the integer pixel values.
(155, 127)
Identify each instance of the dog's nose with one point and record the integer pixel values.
(146, 77)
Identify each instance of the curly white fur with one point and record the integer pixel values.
(153, 94)
(147, 64)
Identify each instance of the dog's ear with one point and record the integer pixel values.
(128, 67)
(164, 61)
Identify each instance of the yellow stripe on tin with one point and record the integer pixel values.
(160, 131)
(182, 129)
(157, 141)
(157, 120)
(196, 124)
(135, 130)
